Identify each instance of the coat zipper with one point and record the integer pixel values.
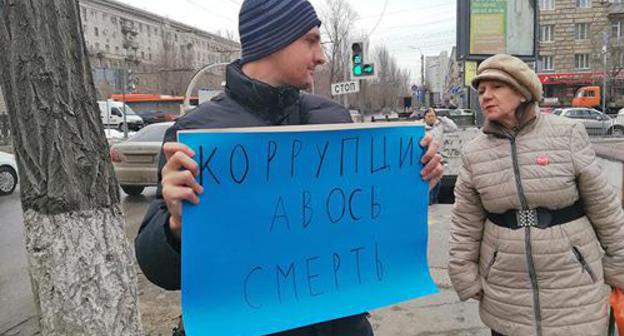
(527, 239)
(490, 264)
(581, 259)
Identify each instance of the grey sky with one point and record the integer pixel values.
(425, 24)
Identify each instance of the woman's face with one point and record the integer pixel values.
(430, 117)
(499, 102)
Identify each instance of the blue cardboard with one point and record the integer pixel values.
(299, 226)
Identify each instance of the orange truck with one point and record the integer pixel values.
(587, 96)
(591, 96)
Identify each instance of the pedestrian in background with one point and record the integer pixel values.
(537, 233)
(281, 47)
(439, 126)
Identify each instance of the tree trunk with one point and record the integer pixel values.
(81, 265)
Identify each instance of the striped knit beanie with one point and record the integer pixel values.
(266, 26)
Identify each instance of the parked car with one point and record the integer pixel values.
(8, 173)
(136, 160)
(461, 112)
(112, 115)
(156, 116)
(620, 116)
(442, 112)
(595, 122)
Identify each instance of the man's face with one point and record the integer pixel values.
(295, 64)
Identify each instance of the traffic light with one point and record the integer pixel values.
(131, 81)
(359, 68)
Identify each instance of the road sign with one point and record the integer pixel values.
(345, 88)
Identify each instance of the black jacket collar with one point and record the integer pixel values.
(268, 102)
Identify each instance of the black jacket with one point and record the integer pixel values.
(246, 103)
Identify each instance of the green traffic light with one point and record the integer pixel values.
(357, 70)
(369, 69)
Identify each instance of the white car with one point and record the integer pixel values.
(8, 173)
(620, 116)
(112, 115)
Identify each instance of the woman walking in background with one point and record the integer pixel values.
(537, 233)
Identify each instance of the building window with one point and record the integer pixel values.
(107, 48)
(545, 63)
(95, 31)
(143, 54)
(583, 3)
(547, 4)
(581, 61)
(97, 46)
(84, 14)
(114, 20)
(546, 33)
(582, 31)
(117, 50)
(616, 29)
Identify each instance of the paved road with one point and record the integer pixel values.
(440, 314)
(16, 300)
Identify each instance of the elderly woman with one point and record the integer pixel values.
(439, 126)
(537, 233)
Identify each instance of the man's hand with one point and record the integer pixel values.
(433, 169)
(178, 182)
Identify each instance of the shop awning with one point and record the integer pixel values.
(570, 78)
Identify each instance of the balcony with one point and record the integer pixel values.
(616, 9)
(617, 42)
(128, 28)
(130, 44)
(132, 59)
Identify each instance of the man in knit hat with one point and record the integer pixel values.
(281, 47)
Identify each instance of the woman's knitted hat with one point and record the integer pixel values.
(512, 71)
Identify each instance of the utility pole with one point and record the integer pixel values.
(605, 36)
(123, 95)
(422, 69)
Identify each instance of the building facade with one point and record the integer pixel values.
(453, 94)
(574, 36)
(133, 49)
(436, 69)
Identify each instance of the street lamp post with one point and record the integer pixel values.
(422, 66)
(189, 89)
(605, 36)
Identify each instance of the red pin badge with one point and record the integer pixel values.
(542, 160)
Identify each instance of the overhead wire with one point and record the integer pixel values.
(383, 13)
(212, 12)
(405, 11)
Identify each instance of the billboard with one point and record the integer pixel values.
(489, 27)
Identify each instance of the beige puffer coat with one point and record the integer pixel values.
(536, 281)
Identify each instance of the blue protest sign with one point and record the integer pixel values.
(299, 225)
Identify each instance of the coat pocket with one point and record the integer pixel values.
(583, 262)
(488, 268)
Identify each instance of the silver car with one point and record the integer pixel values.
(595, 122)
(136, 160)
(8, 173)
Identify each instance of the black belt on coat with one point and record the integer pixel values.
(541, 218)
